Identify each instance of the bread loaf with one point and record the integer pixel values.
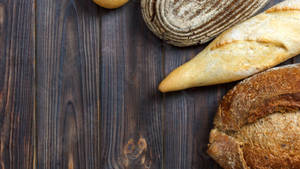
(257, 125)
(189, 22)
(248, 48)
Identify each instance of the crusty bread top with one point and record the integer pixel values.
(277, 89)
(257, 125)
(189, 22)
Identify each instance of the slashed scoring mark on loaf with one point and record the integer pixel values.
(282, 10)
(287, 5)
(265, 42)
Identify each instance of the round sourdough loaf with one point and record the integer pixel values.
(190, 22)
(257, 125)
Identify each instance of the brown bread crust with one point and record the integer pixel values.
(258, 122)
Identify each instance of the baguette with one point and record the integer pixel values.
(257, 125)
(248, 48)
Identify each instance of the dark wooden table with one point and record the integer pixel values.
(78, 90)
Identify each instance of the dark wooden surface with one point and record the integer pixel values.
(17, 84)
(78, 90)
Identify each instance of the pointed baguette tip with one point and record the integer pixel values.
(173, 83)
(161, 87)
(167, 85)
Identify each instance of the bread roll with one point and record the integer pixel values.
(189, 22)
(257, 125)
(248, 48)
(110, 4)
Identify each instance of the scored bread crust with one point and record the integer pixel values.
(247, 48)
(257, 124)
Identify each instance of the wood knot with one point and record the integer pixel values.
(135, 154)
(134, 150)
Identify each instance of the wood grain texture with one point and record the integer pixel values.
(81, 91)
(17, 56)
(188, 118)
(68, 80)
(131, 127)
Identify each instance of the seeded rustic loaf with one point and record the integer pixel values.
(189, 22)
(248, 48)
(257, 125)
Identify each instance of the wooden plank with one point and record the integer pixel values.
(131, 106)
(17, 57)
(188, 118)
(178, 115)
(68, 79)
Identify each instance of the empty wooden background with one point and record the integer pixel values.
(78, 90)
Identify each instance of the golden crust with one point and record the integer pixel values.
(110, 4)
(248, 48)
(277, 89)
(258, 122)
(228, 148)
